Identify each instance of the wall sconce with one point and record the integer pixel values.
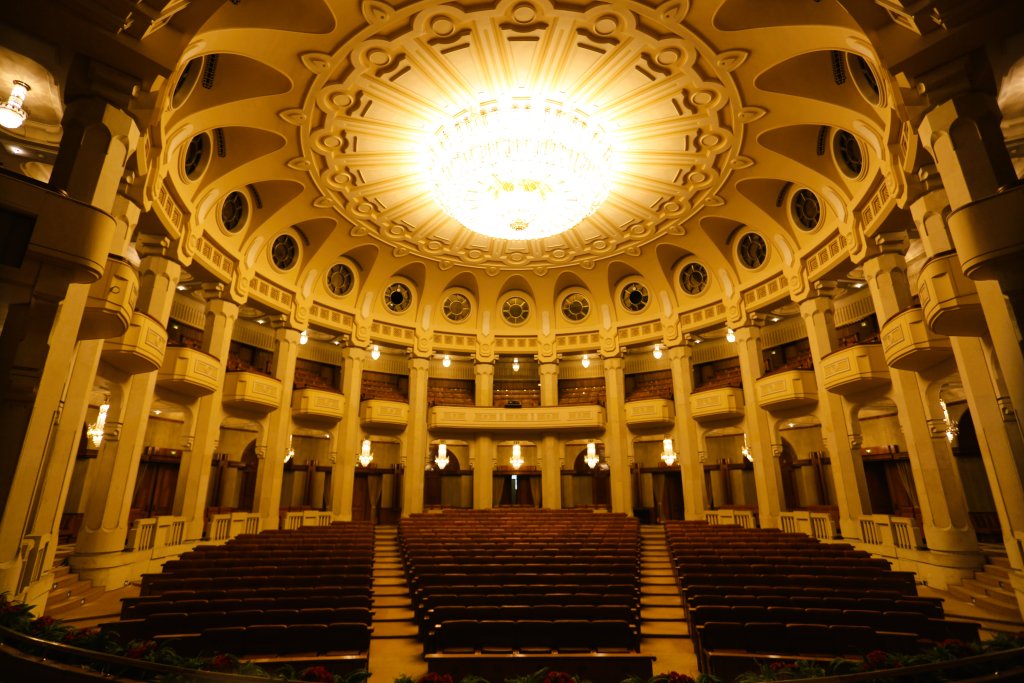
(442, 455)
(591, 457)
(515, 364)
(668, 454)
(95, 430)
(291, 451)
(517, 456)
(12, 114)
(375, 352)
(585, 362)
(730, 335)
(745, 451)
(304, 337)
(657, 352)
(446, 361)
(365, 454)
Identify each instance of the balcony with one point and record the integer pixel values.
(548, 419)
(910, 345)
(650, 412)
(385, 414)
(140, 349)
(189, 372)
(318, 405)
(789, 389)
(251, 391)
(108, 310)
(722, 403)
(855, 368)
(949, 298)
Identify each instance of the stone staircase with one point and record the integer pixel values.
(394, 647)
(663, 630)
(990, 588)
(68, 592)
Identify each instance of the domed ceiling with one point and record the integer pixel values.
(743, 135)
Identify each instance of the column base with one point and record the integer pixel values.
(118, 569)
(935, 568)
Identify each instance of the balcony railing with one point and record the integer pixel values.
(788, 389)
(909, 344)
(717, 404)
(855, 368)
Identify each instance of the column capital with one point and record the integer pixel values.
(155, 246)
(683, 351)
(419, 363)
(818, 304)
(749, 321)
(354, 353)
(483, 368)
(885, 247)
(616, 362)
(282, 321)
(547, 369)
(816, 289)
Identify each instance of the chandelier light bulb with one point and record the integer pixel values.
(375, 352)
(668, 454)
(591, 457)
(442, 455)
(12, 114)
(95, 430)
(365, 454)
(517, 456)
(515, 364)
(730, 336)
(585, 361)
(446, 362)
(304, 337)
(657, 352)
(745, 451)
(520, 169)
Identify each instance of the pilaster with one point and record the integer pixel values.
(344, 470)
(616, 435)
(483, 374)
(686, 432)
(484, 454)
(415, 439)
(550, 456)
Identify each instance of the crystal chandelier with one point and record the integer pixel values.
(442, 455)
(591, 457)
(365, 454)
(521, 169)
(745, 451)
(952, 430)
(12, 114)
(95, 430)
(668, 454)
(517, 456)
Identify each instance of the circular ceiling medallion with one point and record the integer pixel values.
(376, 104)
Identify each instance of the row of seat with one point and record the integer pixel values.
(138, 609)
(931, 607)
(534, 636)
(312, 641)
(183, 623)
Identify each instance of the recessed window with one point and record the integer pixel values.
(848, 153)
(397, 297)
(806, 209)
(456, 307)
(234, 210)
(634, 297)
(752, 250)
(196, 157)
(515, 310)
(575, 307)
(284, 252)
(340, 279)
(693, 278)
(865, 79)
(186, 81)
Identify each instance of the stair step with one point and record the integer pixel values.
(394, 629)
(664, 629)
(661, 614)
(64, 581)
(381, 614)
(976, 587)
(990, 579)
(382, 572)
(661, 601)
(999, 561)
(58, 608)
(389, 581)
(659, 590)
(390, 601)
(69, 589)
(658, 580)
(60, 570)
(383, 591)
(648, 573)
(1002, 573)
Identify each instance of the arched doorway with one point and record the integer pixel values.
(978, 492)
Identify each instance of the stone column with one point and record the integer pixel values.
(550, 444)
(343, 473)
(98, 139)
(767, 474)
(964, 137)
(194, 473)
(686, 431)
(483, 374)
(414, 442)
(818, 313)
(105, 524)
(616, 435)
(484, 453)
(270, 473)
(947, 527)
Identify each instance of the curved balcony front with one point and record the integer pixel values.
(788, 389)
(251, 391)
(141, 347)
(318, 405)
(383, 414)
(650, 412)
(108, 310)
(855, 368)
(547, 419)
(949, 298)
(909, 344)
(189, 372)
(722, 403)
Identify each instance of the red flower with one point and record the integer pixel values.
(558, 677)
(41, 623)
(140, 650)
(876, 659)
(318, 674)
(674, 677)
(221, 663)
(435, 678)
